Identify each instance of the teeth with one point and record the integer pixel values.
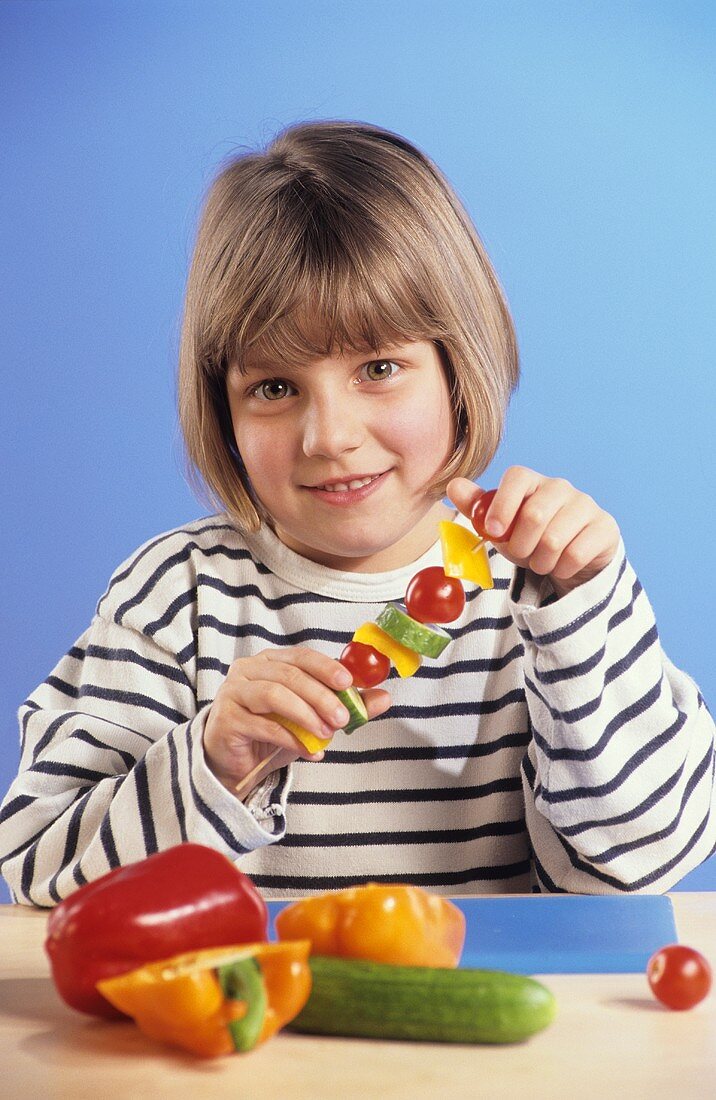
(342, 486)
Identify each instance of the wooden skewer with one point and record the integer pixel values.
(248, 781)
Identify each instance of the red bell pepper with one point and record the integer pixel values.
(185, 898)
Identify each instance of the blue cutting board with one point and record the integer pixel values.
(562, 933)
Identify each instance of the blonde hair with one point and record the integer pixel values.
(339, 236)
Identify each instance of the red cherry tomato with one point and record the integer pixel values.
(679, 976)
(479, 511)
(367, 665)
(432, 597)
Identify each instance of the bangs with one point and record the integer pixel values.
(336, 290)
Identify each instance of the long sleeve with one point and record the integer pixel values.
(619, 775)
(112, 769)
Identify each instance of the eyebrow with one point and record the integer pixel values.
(260, 366)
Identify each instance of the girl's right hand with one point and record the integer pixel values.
(298, 683)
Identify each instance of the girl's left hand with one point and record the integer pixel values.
(558, 532)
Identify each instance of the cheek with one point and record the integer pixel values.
(263, 451)
(424, 428)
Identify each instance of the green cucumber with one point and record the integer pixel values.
(378, 1001)
(353, 702)
(428, 640)
(243, 981)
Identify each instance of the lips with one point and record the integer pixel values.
(351, 491)
(347, 485)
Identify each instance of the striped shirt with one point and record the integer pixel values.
(551, 747)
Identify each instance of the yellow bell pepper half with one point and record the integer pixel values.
(398, 924)
(464, 554)
(219, 1000)
(406, 661)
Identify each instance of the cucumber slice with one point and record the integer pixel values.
(353, 702)
(430, 640)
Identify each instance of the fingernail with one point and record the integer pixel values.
(327, 731)
(494, 527)
(341, 716)
(343, 678)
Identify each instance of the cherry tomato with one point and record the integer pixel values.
(367, 665)
(479, 511)
(432, 597)
(679, 976)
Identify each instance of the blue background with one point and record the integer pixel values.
(580, 138)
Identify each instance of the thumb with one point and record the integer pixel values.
(463, 493)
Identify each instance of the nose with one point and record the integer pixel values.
(332, 425)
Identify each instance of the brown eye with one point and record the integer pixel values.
(380, 369)
(272, 389)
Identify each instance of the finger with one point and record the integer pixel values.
(463, 494)
(517, 483)
(377, 701)
(534, 514)
(564, 526)
(590, 551)
(265, 732)
(326, 669)
(325, 706)
(268, 697)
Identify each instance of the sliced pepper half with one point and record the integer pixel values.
(219, 1000)
(398, 924)
(464, 554)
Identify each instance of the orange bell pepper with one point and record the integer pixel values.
(219, 1000)
(403, 925)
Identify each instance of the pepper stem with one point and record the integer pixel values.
(243, 981)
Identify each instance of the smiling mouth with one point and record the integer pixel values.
(346, 486)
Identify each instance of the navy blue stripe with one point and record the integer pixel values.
(71, 839)
(646, 880)
(634, 710)
(49, 733)
(585, 710)
(176, 788)
(144, 805)
(340, 882)
(472, 706)
(185, 599)
(28, 872)
(548, 884)
(553, 636)
(119, 577)
(409, 836)
(82, 735)
(648, 803)
(20, 802)
(132, 699)
(67, 771)
(570, 672)
(419, 794)
(649, 838)
(106, 837)
(168, 672)
(430, 752)
(217, 823)
(639, 757)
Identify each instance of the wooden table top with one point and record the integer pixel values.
(611, 1039)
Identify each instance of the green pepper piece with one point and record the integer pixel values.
(243, 981)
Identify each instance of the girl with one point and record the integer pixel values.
(346, 360)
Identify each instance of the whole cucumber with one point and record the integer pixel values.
(380, 1001)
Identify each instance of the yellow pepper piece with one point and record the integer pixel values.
(464, 554)
(180, 1000)
(396, 924)
(407, 661)
(308, 740)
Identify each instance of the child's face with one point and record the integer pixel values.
(343, 418)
